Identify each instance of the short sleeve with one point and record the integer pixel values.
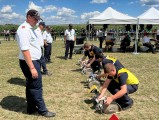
(44, 35)
(24, 37)
(122, 77)
(65, 33)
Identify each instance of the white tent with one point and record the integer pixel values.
(151, 16)
(111, 16)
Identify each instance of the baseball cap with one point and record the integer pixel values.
(34, 13)
(42, 23)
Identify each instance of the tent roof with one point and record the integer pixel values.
(111, 16)
(151, 16)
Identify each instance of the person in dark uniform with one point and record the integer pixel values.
(69, 38)
(91, 51)
(125, 42)
(105, 60)
(29, 60)
(120, 82)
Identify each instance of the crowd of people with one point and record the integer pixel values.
(35, 47)
(120, 82)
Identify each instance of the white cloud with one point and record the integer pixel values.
(132, 2)
(7, 16)
(150, 2)
(40, 9)
(56, 15)
(49, 8)
(11, 18)
(66, 12)
(89, 15)
(36, 7)
(85, 16)
(6, 9)
(99, 1)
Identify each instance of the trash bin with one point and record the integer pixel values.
(80, 40)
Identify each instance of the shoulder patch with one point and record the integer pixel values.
(119, 75)
(23, 26)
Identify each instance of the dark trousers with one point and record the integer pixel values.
(124, 45)
(150, 46)
(69, 46)
(47, 52)
(101, 39)
(43, 62)
(125, 100)
(95, 66)
(33, 88)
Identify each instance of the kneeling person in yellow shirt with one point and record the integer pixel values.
(120, 82)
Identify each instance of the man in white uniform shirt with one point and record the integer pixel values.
(100, 35)
(147, 43)
(38, 32)
(29, 60)
(47, 44)
(69, 38)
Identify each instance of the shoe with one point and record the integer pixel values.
(125, 107)
(70, 57)
(49, 114)
(31, 112)
(153, 52)
(65, 58)
(49, 62)
(46, 73)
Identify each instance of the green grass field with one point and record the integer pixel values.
(64, 92)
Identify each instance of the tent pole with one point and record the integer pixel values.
(136, 39)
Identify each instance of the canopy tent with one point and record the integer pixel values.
(111, 16)
(151, 16)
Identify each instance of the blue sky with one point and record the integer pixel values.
(69, 11)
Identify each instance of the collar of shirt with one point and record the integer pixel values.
(28, 25)
(39, 29)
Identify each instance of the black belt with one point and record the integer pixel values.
(32, 60)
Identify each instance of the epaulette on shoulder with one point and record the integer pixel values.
(23, 26)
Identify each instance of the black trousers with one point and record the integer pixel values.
(33, 88)
(124, 45)
(47, 52)
(125, 100)
(95, 66)
(150, 46)
(69, 46)
(43, 62)
(101, 39)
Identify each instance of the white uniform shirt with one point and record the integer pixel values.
(100, 33)
(70, 34)
(47, 36)
(40, 36)
(157, 32)
(146, 39)
(27, 40)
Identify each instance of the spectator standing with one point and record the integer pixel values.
(69, 38)
(38, 32)
(47, 44)
(101, 37)
(29, 59)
